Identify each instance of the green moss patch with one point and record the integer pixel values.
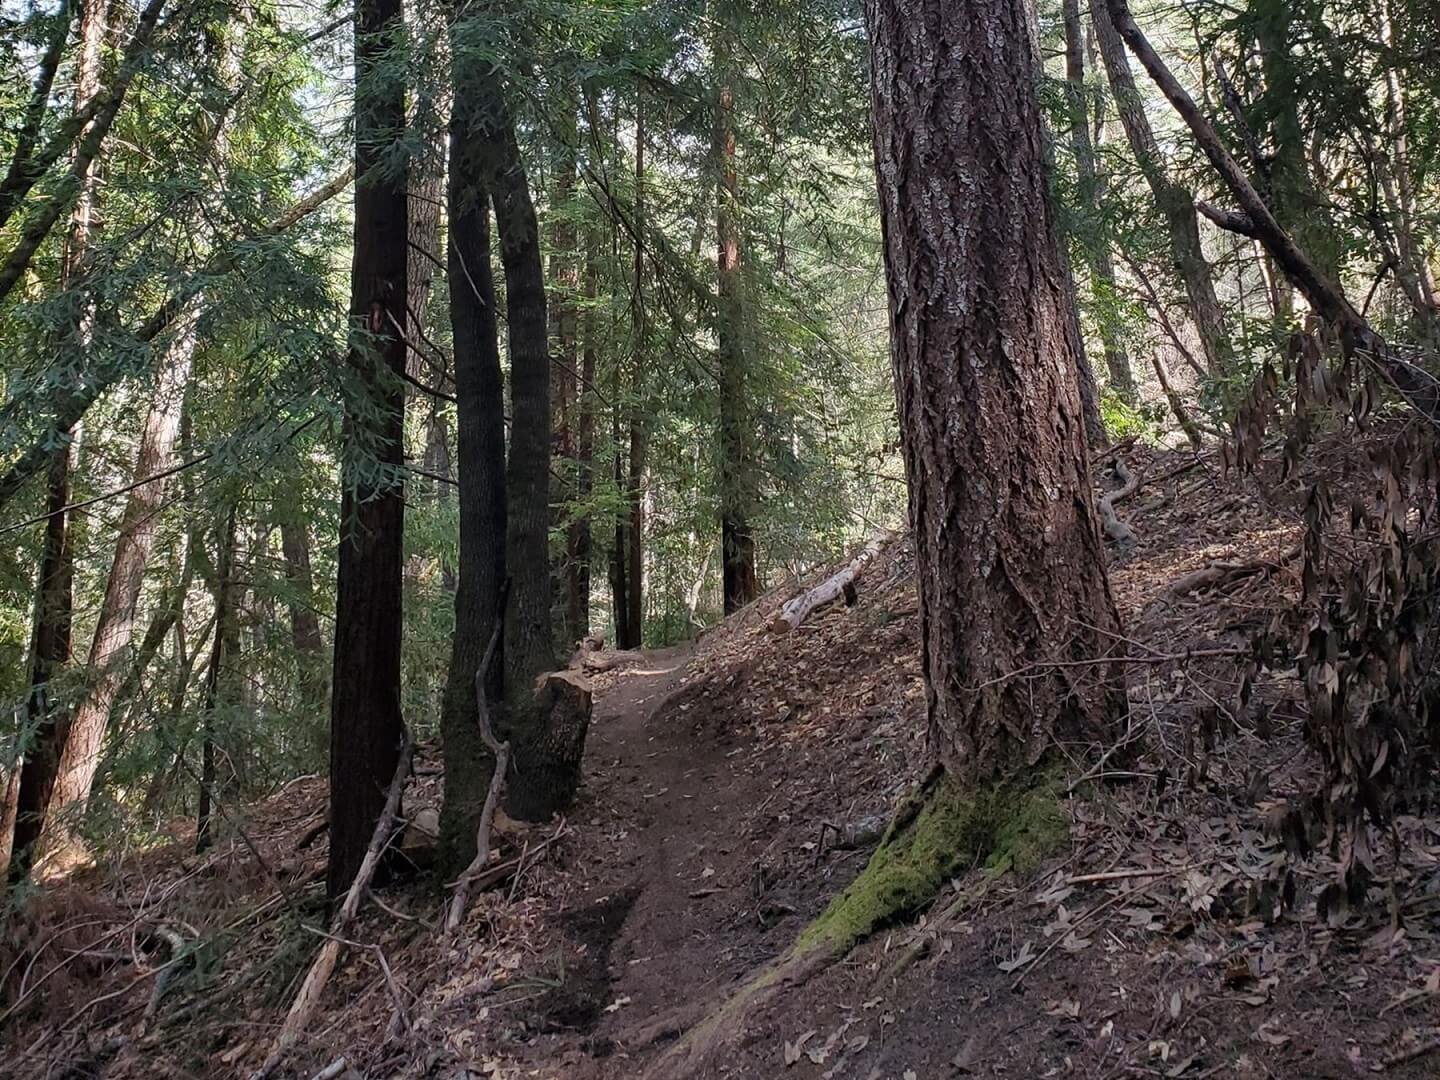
(943, 830)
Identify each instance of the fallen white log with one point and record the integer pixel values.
(828, 591)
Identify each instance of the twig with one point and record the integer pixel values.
(324, 964)
(1122, 875)
(460, 897)
(1427, 1047)
(1096, 910)
(334, 1069)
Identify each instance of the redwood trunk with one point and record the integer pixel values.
(365, 723)
(1010, 561)
(740, 583)
(481, 452)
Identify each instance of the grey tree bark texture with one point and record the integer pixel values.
(1016, 613)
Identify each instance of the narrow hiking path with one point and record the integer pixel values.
(667, 924)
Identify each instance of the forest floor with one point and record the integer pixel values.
(1171, 936)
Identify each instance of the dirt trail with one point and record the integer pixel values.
(668, 923)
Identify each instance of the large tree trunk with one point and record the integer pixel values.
(481, 450)
(541, 782)
(738, 483)
(365, 723)
(1092, 191)
(1016, 611)
(1174, 200)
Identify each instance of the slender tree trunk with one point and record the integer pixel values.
(1175, 202)
(115, 626)
(48, 721)
(365, 722)
(635, 569)
(221, 655)
(737, 435)
(1092, 192)
(564, 240)
(304, 622)
(580, 540)
(481, 450)
(1011, 567)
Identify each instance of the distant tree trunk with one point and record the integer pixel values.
(481, 451)
(580, 538)
(9, 807)
(737, 436)
(619, 548)
(423, 199)
(365, 721)
(304, 622)
(221, 655)
(1175, 202)
(1092, 192)
(47, 720)
(1010, 561)
(115, 625)
(564, 241)
(635, 570)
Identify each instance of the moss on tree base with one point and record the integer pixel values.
(942, 830)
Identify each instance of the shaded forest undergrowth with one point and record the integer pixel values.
(732, 788)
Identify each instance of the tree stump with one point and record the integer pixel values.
(545, 773)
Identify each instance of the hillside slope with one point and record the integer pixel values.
(732, 788)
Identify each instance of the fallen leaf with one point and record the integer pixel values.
(792, 1050)
(1023, 957)
(617, 1004)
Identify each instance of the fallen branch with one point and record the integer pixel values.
(1116, 529)
(827, 592)
(324, 964)
(460, 896)
(1220, 573)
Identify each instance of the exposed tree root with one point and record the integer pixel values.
(939, 831)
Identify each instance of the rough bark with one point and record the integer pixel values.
(529, 636)
(1101, 263)
(740, 583)
(365, 723)
(1016, 611)
(1175, 202)
(481, 450)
